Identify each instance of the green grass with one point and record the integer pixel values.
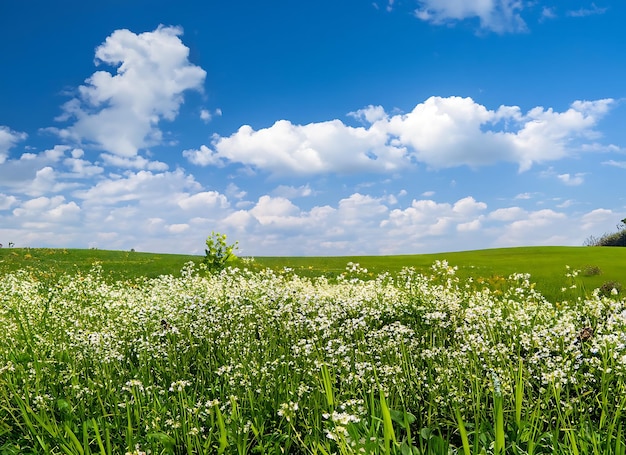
(547, 265)
(116, 265)
(264, 362)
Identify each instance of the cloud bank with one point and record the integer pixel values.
(440, 133)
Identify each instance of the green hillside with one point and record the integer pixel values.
(547, 265)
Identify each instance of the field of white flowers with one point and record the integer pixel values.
(249, 362)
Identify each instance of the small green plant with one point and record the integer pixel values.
(609, 288)
(591, 270)
(218, 252)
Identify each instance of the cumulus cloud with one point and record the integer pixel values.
(45, 211)
(151, 188)
(53, 170)
(541, 227)
(499, 16)
(597, 218)
(285, 148)
(7, 201)
(440, 132)
(120, 113)
(202, 200)
(8, 139)
(427, 219)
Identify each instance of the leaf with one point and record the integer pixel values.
(162, 438)
(426, 433)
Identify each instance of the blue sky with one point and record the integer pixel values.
(311, 128)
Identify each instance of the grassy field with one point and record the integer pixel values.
(310, 356)
(546, 265)
(116, 265)
(131, 353)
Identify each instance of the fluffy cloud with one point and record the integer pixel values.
(8, 139)
(321, 147)
(171, 212)
(440, 132)
(120, 113)
(496, 15)
(43, 211)
(152, 189)
(7, 201)
(54, 170)
(428, 218)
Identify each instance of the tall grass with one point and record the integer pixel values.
(260, 362)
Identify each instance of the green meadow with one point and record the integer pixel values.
(546, 265)
(519, 351)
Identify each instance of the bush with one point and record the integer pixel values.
(612, 239)
(591, 270)
(609, 288)
(218, 252)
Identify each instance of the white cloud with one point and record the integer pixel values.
(206, 116)
(567, 203)
(499, 16)
(597, 218)
(203, 156)
(8, 139)
(7, 201)
(620, 164)
(440, 132)
(426, 218)
(135, 162)
(523, 196)
(120, 113)
(542, 227)
(203, 200)
(507, 214)
(468, 206)
(548, 13)
(44, 211)
(152, 189)
(276, 210)
(448, 132)
(584, 12)
(470, 226)
(234, 191)
(572, 180)
(286, 148)
(81, 168)
(178, 228)
(291, 192)
(52, 170)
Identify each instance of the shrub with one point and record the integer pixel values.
(609, 239)
(218, 252)
(609, 288)
(591, 270)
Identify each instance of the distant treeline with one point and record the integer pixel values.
(611, 239)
